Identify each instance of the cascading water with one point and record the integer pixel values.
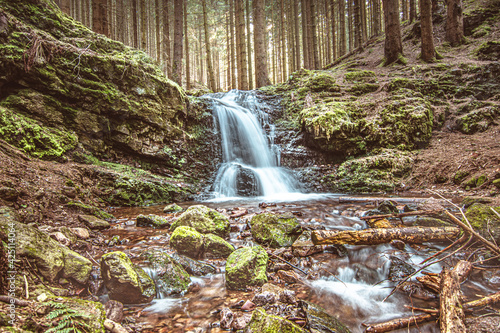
(250, 158)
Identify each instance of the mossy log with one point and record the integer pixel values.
(451, 311)
(381, 236)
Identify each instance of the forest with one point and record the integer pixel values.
(250, 166)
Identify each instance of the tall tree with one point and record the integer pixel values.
(178, 34)
(342, 30)
(358, 28)
(232, 48)
(100, 17)
(413, 10)
(135, 27)
(249, 47)
(211, 76)
(167, 55)
(259, 37)
(296, 33)
(186, 42)
(454, 22)
(334, 28)
(241, 54)
(377, 26)
(312, 21)
(157, 30)
(144, 29)
(393, 47)
(428, 52)
(305, 33)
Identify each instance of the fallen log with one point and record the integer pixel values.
(13, 300)
(433, 281)
(381, 236)
(400, 215)
(451, 312)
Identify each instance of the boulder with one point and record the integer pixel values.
(246, 267)
(52, 260)
(154, 221)
(261, 322)
(194, 267)
(126, 282)
(187, 241)
(172, 208)
(170, 276)
(275, 230)
(321, 322)
(93, 222)
(484, 220)
(216, 247)
(204, 220)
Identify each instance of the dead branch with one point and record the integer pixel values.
(400, 215)
(17, 301)
(396, 324)
(451, 312)
(239, 214)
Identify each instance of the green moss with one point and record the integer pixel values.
(361, 76)
(261, 322)
(479, 120)
(275, 230)
(171, 276)
(204, 220)
(216, 247)
(484, 220)
(88, 209)
(186, 240)
(246, 267)
(460, 176)
(363, 88)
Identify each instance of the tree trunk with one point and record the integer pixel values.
(454, 22)
(259, 36)
(334, 32)
(428, 51)
(305, 34)
(283, 42)
(135, 27)
(393, 48)
(99, 17)
(211, 76)
(376, 17)
(382, 236)
(186, 42)
(297, 34)
(249, 46)
(144, 29)
(167, 55)
(450, 305)
(178, 49)
(358, 29)
(241, 53)
(413, 10)
(313, 34)
(232, 46)
(342, 30)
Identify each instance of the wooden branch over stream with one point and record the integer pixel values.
(415, 213)
(382, 236)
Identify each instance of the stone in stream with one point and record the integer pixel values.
(262, 322)
(52, 260)
(399, 269)
(194, 267)
(170, 276)
(125, 281)
(275, 230)
(304, 246)
(172, 208)
(205, 220)
(246, 267)
(154, 221)
(93, 222)
(188, 241)
(321, 322)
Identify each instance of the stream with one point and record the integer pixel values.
(349, 285)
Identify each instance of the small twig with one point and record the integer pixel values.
(17, 301)
(336, 278)
(413, 308)
(494, 211)
(445, 249)
(26, 286)
(92, 258)
(286, 262)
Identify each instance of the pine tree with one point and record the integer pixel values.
(260, 53)
(393, 47)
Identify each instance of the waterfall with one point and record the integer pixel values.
(250, 165)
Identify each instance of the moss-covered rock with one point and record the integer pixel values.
(216, 247)
(126, 282)
(261, 322)
(478, 121)
(360, 76)
(246, 267)
(151, 220)
(320, 321)
(171, 278)
(187, 241)
(93, 222)
(194, 267)
(275, 230)
(172, 208)
(205, 220)
(484, 220)
(489, 51)
(52, 260)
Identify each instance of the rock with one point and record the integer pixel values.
(69, 234)
(172, 208)
(226, 318)
(248, 306)
(8, 193)
(264, 298)
(114, 311)
(496, 183)
(261, 322)
(388, 207)
(241, 321)
(81, 233)
(194, 267)
(321, 322)
(289, 277)
(486, 324)
(205, 220)
(187, 241)
(275, 230)
(216, 247)
(427, 221)
(246, 267)
(61, 238)
(170, 276)
(125, 281)
(489, 51)
(52, 260)
(93, 222)
(399, 269)
(154, 221)
(484, 220)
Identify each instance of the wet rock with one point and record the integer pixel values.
(187, 241)
(288, 296)
(125, 281)
(426, 221)
(417, 290)
(51, 258)
(170, 276)
(484, 220)
(205, 220)
(262, 322)
(241, 321)
(388, 207)
(248, 306)
(81, 233)
(194, 267)
(489, 324)
(154, 221)
(365, 274)
(397, 244)
(69, 234)
(226, 318)
(114, 311)
(172, 208)
(246, 267)
(399, 269)
(289, 277)
(8, 193)
(321, 322)
(216, 247)
(275, 230)
(264, 298)
(93, 222)
(304, 246)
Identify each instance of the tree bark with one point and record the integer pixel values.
(382, 236)
(413, 10)
(211, 77)
(100, 17)
(135, 27)
(232, 46)
(376, 17)
(167, 55)
(450, 306)
(393, 47)
(259, 35)
(342, 31)
(144, 29)
(178, 34)
(241, 53)
(249, 46)
(454, 22)
(305, 33)
(428, 51)
(296, 34)
(186, 42)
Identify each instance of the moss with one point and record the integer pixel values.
(322, 81)
(154, 221)
(216, 247)
(484, 220)
(186, 240)
(361, 76)
(479, 120)
(171, 276)
(88, 209)
(363, 88)
(460, 176)
(262, 322)
(204, 220)
(246, 267)
(275, 230)
(489, 51)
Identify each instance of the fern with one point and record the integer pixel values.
(69, 320)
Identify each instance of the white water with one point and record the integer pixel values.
(250, 166)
